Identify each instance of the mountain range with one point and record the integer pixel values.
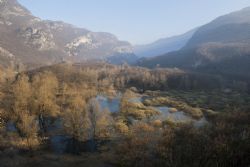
(164, 45)
(29, 40)
(219, 47)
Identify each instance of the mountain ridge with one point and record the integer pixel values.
(219, 47)
(32, 41)
(164, 45)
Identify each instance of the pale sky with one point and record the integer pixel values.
(136, 21)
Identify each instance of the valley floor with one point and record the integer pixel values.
(48, 159)
(106, 115)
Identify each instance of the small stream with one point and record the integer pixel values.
(179, 116)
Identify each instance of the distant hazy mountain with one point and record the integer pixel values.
(163, 45)
(221, 47)
(27, 39)
(227, 29)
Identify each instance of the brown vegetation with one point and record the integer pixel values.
(64, 95)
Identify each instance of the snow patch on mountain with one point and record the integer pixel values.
(2, 1)
(123, 49)
(6, 53)
(83, 40)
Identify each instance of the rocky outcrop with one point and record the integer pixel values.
(33, 41)
(38, 38)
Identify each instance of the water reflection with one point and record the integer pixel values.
(111, 103)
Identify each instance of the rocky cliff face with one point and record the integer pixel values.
(27, 39)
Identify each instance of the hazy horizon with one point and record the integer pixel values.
(149, 21)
